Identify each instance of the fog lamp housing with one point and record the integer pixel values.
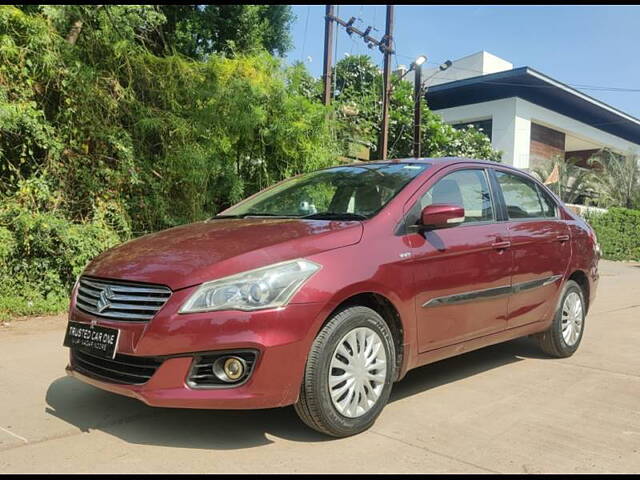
(229, 369)
(221, 369)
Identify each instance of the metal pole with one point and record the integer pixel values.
(417, 113)
(384, 134)
(328, 48)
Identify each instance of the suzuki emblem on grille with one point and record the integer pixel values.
(104, 301)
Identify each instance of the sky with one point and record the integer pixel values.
(596, 46)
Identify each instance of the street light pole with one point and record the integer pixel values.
(418, 92)
(417, 111)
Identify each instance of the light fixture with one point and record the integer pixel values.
(414, 65)
(445, 65)
(420, 60)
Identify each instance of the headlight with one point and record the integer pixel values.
(266, 287)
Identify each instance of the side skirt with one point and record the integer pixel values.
(476, 343)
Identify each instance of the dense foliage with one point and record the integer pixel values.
(572, 181)
(200, 30)
(618, 179)
(618, 232)
(117, 120)
(358, 98)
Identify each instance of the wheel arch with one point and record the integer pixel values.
(387, 310)
(582, 280)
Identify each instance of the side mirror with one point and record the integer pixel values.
(441, 216)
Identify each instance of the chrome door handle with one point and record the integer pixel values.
(562, 238)
(501, 245)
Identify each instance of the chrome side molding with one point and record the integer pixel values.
(491, 292)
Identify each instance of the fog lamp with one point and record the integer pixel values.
(229, 369)
(234, 368)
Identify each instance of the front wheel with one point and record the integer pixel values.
(563, 337)
(349, 373)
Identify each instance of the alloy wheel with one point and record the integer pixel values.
(572, 318)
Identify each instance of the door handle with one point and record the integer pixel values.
(562, 238)
(501, 245)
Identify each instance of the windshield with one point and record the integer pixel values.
(350, 192)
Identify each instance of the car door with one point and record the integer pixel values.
(540, 246)
(461, 273)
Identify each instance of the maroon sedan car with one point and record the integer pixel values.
(325, 289)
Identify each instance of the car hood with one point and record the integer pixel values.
(191, 254)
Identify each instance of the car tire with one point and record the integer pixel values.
(557, 341)
(321, 404)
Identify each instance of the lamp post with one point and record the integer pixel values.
(417, 114)
(418, 92)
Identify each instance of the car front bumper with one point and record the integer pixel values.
(281, 337)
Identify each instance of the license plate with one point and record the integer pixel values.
(94, 339)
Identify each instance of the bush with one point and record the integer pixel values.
(41, 255)
(618, 233)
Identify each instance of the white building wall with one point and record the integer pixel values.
(503, 128)
(511, 127)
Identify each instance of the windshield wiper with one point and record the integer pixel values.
(221, 217)
(335, 216)
(266, 214)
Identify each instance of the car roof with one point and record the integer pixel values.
(439, 161)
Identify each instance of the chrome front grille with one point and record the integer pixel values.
(133, 302)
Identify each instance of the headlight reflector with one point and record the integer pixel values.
(267, 287)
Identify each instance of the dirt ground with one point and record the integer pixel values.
(505, 408)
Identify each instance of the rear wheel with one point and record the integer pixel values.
(563, 337)
(349, 373)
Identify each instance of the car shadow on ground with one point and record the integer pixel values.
(89, 408)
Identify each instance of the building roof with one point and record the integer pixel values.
(535, 87)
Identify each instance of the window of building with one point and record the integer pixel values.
(484, 126)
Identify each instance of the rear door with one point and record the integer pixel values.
(462, 273)
(540, 247)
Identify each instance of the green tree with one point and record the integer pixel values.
(573, 181)
(200, 30)
(358, 108)
(618, 180)
(103, 137)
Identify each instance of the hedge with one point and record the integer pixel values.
(618, 233)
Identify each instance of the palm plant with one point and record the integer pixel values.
(618, 179)
(571, 182)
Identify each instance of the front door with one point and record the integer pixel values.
(540, 246)
(461, 274)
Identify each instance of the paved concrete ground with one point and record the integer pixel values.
(505, 408)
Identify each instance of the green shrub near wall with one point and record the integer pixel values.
(618, 233)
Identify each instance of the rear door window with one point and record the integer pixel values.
(521, 197)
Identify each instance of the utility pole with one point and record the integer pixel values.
(328, 48)
(384, 126)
